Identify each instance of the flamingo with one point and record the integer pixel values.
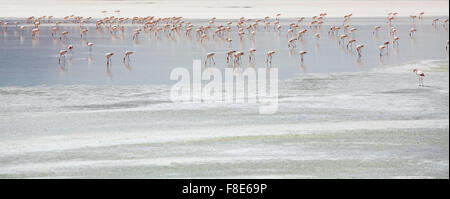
(346, 27)
(229, 40)
(291, 42)
(188, 31)
(89, 44)
(55, 31)
(413, 17)
(70, 47)
(290, 32)
(435, 20)
(16, 23)
(210, 56)
(395, 40)
(393, 31)
(358, 49)
(386, 43)
(278, 17)
(203, 37)
(62, 53)
(108, 58)
(34, 32)
(421, 15)
(445, 23)
(300, 34)
(136, 34)
(269, 56)
(229, 55)
(381, 48)
(421, 75)
(83, 32)
(278, 28)
(64, 35)
(127, 55)
(5, 25)
(237, 57)
(342, 38)
(251, 55)
(332, 29)
(301, 53)
(411, 31)
(317, 35)
(350, 42)
(375, 29)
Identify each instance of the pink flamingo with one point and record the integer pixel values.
(237, 57)
(89, 44)
(55, 31)
(62, 53)
(210, 56)
(83, 32)
(342, 38)
(5, 25)
(16, 23)
(269, 57)
(421, 75)
(64, 34)
(301, 53)
(70, 47)
(290, 32)
(203, 37)
(411, 32)
(395, 40)
(230, 55)
(435, 21)
(291, 42)
(317, 35)
(421, 15)
(386, 44)
(301, 33)
(381, 48)
(375, 30)
(127, 55)
(251, 56)
(413, 17)
(108, 58)
(332, 29)
(350, 42)
(229, 40)
(34, 32)
(277, 18)
(136, 34)
(393, 31)
(188, 31)
(358, 49)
